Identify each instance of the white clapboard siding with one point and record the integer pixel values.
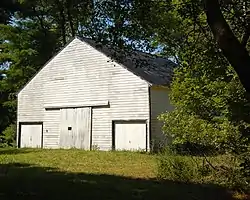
(80, 73)
(51, 128)
(160, 103)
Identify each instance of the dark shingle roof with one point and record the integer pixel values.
(154, 69)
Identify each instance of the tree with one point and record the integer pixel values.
(233, 50)
(227, 19)
(24, 49)
(30, 36)
(31, 32)
(7, 8)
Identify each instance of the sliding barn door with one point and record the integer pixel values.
(75, 128)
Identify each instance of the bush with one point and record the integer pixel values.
(187, 128)
(8, 136)
(224, 170)
(177, 168)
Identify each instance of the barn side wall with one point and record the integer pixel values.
(78, 74)
(160, 103)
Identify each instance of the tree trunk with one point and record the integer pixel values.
(62, 20)
(233, 50)
(71, 23)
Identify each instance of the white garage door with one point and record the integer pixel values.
(31, 135)
(130, 135)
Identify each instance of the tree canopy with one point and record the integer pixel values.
(209, 48)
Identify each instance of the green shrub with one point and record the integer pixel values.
(177, 168)
(8, 136)
(224, 170)
(187, 128)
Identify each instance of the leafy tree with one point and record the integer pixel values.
(211, 105)
(24, 48)
(234, 50)
(7, 8)
(32, 34)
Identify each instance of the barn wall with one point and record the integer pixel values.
(160, 103)
(79, 73)
(51, 127)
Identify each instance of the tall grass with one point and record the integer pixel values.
(222, 170)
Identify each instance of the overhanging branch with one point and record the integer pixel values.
(233, 50)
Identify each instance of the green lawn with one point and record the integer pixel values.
(76, 174)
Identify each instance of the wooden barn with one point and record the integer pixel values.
(90, 96)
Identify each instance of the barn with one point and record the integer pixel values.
(92, 96)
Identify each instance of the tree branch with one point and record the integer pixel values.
(231, 47)
(69, 7)
(62, 20)
(40, 19)
(245, 37)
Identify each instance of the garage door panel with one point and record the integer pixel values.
(31, 135)
(130, 135)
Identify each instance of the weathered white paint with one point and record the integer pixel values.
(75, 127)
(77, 105)
(31, 135)
(160, 103)
(51, 128)
(79, 74)
(130, 135)
(83, 125)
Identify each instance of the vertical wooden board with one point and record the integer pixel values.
(120, 137)
(83, 124)
(66, 123)
(25, 136)
(75, 127)
(62, 128)
(36, 135)
(72, 120)
(137, 136)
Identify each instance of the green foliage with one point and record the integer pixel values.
(187, 128)
(8, 137)
(222, 170)
(177, 168)
(23, 50)
(32, 31)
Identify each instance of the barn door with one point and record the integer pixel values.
(75, 128)
(130, 135)
(31, 135)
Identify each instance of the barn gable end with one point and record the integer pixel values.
(80, 74)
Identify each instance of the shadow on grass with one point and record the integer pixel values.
(10, 151)
(19, 180)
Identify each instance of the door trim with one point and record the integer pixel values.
(91, 129)
(132, 121)
(28, 123)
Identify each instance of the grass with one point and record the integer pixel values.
(135, 165)
(76, 174)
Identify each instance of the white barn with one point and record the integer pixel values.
(91, 97)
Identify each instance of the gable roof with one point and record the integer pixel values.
(153, 69)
